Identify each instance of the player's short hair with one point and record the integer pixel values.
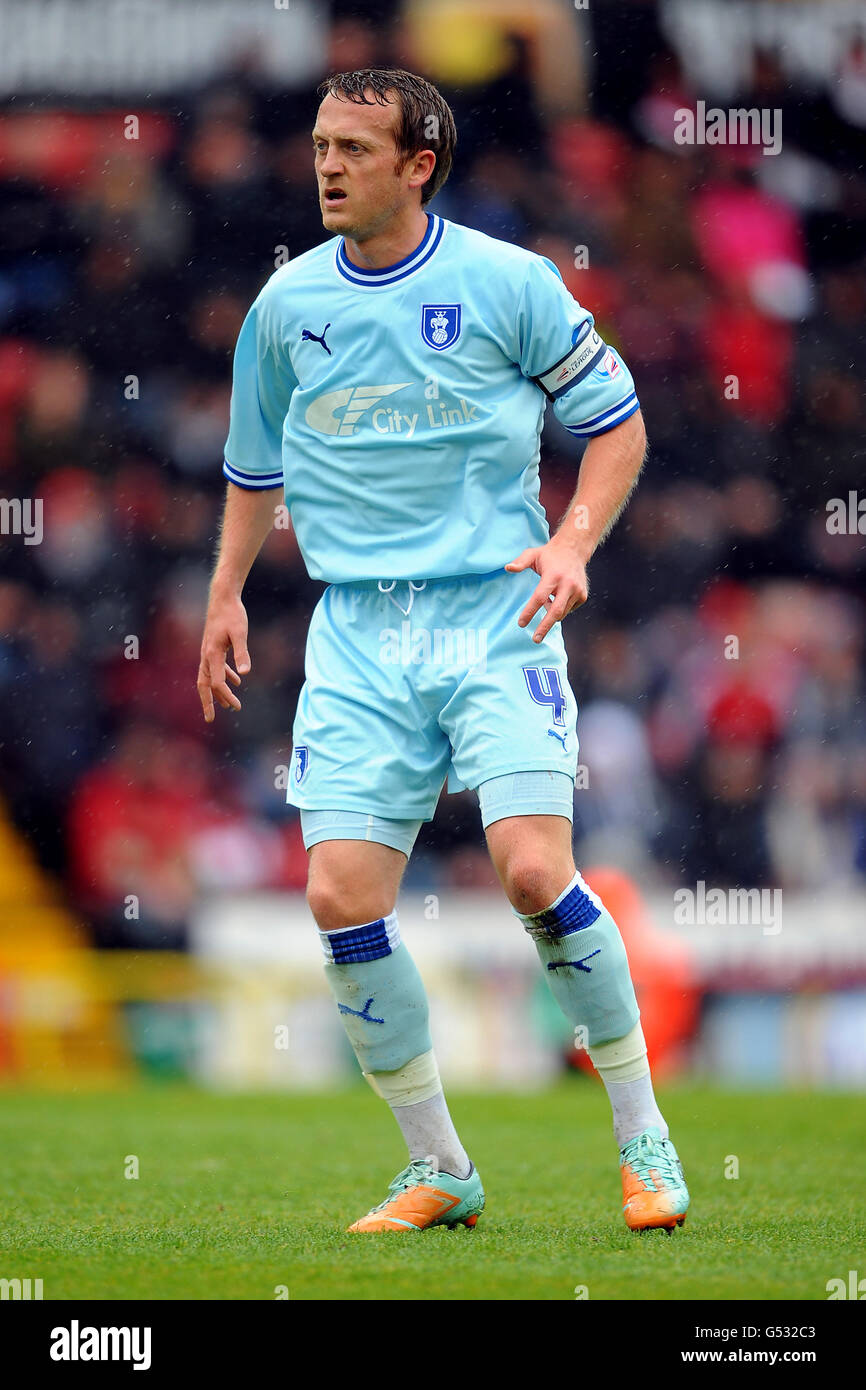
(426, 121)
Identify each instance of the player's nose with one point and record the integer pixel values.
(330, 165)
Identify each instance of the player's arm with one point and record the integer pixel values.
(593, 396)
(609, 472)
(247, 519)
(262, 386)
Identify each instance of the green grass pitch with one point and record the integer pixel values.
(239, 1195)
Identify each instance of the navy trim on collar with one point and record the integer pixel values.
(391, 274)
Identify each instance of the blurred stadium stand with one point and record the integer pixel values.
(126, 266)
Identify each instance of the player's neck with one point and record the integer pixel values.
(395, 243)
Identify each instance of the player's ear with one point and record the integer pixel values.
(423, 164)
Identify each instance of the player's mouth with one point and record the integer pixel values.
(333, 197)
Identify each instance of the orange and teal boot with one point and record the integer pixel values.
(421, 1197)
(654, 1190)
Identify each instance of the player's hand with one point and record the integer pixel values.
(563, 584)
(225, 626)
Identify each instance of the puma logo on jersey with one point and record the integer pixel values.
(308, 337)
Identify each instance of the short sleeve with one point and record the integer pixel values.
(262, 386)
(558, 348)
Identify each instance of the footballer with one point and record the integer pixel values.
(391, 385)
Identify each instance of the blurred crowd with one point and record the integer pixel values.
(719, 664)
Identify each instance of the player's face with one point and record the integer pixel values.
(360, 190)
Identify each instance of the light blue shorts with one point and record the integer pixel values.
(415, 685)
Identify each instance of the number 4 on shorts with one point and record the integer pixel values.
(545, 687)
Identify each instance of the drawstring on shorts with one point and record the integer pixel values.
(413, 590)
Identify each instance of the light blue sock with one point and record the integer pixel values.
(379, 993)
(579, 944)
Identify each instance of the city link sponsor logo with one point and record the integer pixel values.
(727, 907)
(77, 1343)
(341, 412)
(442, 646)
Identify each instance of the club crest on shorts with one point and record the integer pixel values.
(440, 325)
(302, 763)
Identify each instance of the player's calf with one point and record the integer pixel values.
(383, 1007)
(584, 958)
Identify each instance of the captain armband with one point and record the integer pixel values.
(573, 367)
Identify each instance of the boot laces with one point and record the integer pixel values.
(420, 1170)
(646, 1155)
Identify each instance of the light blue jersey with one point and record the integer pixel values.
(401, 409)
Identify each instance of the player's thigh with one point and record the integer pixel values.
(363, 739)
(356, 864)
(513, 710)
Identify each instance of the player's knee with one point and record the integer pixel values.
(328, 903)
(530, 883)
(335, 903)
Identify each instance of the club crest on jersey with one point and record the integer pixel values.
(440, 325)
(302, 763)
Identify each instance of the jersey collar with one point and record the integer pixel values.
(400, 270)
